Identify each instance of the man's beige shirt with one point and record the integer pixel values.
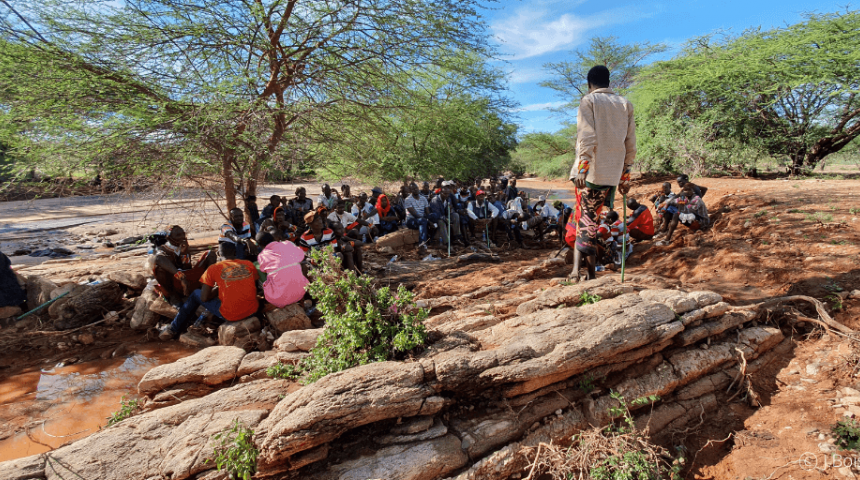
(605, 136)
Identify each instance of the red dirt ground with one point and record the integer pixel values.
(770, 238)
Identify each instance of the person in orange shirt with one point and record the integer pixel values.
(228, 291)
(640, 223)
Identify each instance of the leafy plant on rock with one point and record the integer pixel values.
(127, 409)
(363, 324)
(236, 452)
(587, 299)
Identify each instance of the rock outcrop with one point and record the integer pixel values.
(491, 383)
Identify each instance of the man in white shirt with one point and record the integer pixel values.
(362, 209)
(605, 151)
(416, 215)
(327, 200)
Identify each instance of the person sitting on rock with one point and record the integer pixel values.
(640, 223)
(317, 235)
(699, 190)
(299, 207)
(239, 233)
(661, 205)
(286, 230)
(11, 293)
(327, 199)
(365, 210)
(228, 291)
(484, 214)
(692, 212)
(387, 217)
(442, 212)
(346, 195)
(348, 249)
(173, 269)
(417, 208)
(350, 222)
(280, 265)
(269, 210)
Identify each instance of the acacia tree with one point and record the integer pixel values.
(788, 92)
(450, 121)
(213, 85)
(624, 62)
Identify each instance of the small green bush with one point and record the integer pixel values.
(363, 324)
(847, 434)
(819, 217)
(127, 409)
(236, 452)
(587, 299)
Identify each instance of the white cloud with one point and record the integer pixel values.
(534, 30)
(526, 75)
(537, 107)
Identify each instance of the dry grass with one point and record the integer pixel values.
(616, 452)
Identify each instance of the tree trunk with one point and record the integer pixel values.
(229, 184)
(797, 162)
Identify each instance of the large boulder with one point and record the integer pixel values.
(678, 301)
(571, 295)
(174, 442)
(402, 237)
(291, 317)
(135, 281)
(210, 366)
(538, 349)
(142, 318)
(322, 411)
(38, 290)
(298, 340)
(238, 333)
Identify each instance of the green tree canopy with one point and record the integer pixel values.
(216, 86)
(788, 93)
(624, 61)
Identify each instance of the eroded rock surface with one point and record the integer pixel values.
(525, 373)
(210, 366)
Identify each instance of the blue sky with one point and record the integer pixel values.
(531, 33)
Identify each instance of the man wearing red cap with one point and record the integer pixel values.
(484, 213)
(605, 150)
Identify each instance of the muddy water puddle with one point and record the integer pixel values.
(42, 410)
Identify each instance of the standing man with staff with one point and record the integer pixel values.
(605, 149)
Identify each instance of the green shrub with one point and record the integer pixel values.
(847, 434)
(587, 299)
(127, 409)
(236, 452)
(819, 217)
(363, 324)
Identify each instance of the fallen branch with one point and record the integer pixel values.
(826, 320)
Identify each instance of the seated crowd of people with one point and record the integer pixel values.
(269, 251)
(686, 208)
(266, 256)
